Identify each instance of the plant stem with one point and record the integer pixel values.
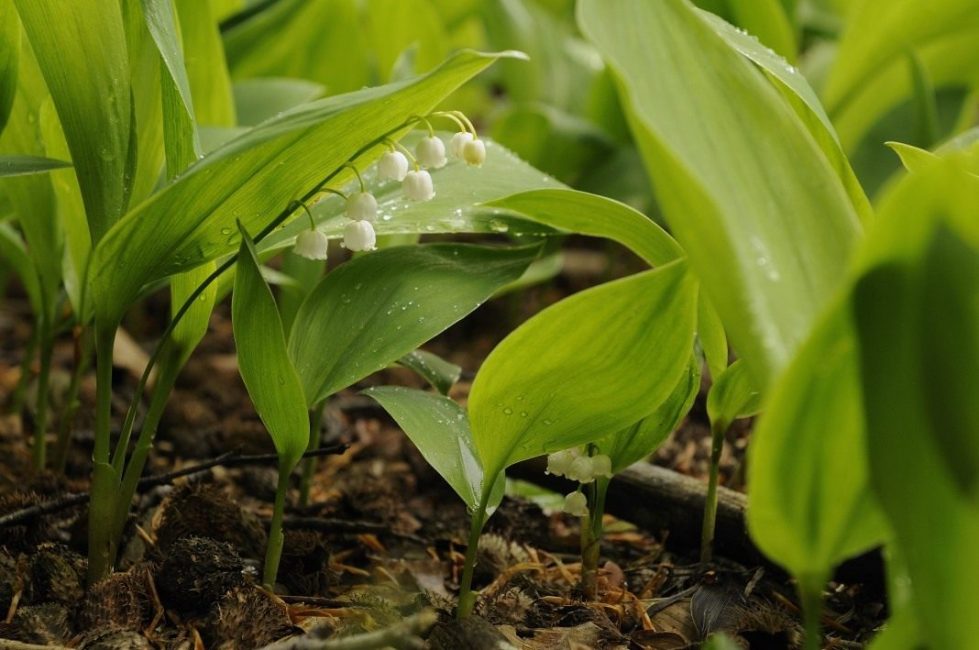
(710, 506)
(811, 598)
(39, 453)
(273, 552)
(309, 464)
(83, 355)
(17, 398)
(101, 546)
(591, 538)
(467, 599)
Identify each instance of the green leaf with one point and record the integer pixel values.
(761, 213)
(642, 438)
(593, 363)
(377, 308)
(14, 254)
(207, 69)
(594, 215)
(263, 360)
(460, 191)
(162, 24)
(256, 100)
(81, 48)
(438, 372)
(766, 19)
(24, 165)
(733, 396)
(191, 221)
(440, 429)
(9, 56)
(811, 507)
(393, 25)
(917, 317)
(720, 641)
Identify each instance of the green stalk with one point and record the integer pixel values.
(169, 368)
(710, 507)
(467, 599)
(39, 453)
(811, 598)
(591, 538)
(273, 552)
(17, 398)
(309, 464)
(101, 545)
(83, 355)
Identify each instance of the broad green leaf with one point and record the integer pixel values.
(880, 32)
(163, 27)
(14, 255)
(9, 56)
(24, 165)
(393, 25)
(917, 315)
(732, 396)
(923, 102)
(913, 158)
(207, 69)
(762, 215)
(803, 99)
(711, 336)
(811, 506)
(263, 360)
(326, 44)
(438, 372)
(642, 438)
(81, 49)
(440, 429)
(597, 216)
(256, 100)
(766, 19)
(377, 308)
(460, 192)
(303, 275)
(254, 177)
(595, 362)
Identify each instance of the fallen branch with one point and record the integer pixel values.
(229, 459)
(404, 635)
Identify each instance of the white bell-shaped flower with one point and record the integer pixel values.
(359, 236)
(458, 141)
(576, 504)
(474, 153)
(393, 166)
(560, 462)
(601, 465)
(362, 206)
(418, 186)
(430, 152)
(311, 244)
(581, 470)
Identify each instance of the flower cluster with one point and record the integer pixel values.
(400, 165)
(578, 466)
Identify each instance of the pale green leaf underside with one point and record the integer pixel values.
(593, 363)
(438, 372)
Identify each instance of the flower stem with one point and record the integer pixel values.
(710, 508)
(39, 453)
(811, 598)
(309, 464)
(591, 538)
(101, 545)
(17, 399)
(467, 599)
(83, 356)
(273, 552)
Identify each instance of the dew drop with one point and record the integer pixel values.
(498, 225)
(508, 411)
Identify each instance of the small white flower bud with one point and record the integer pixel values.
(601, 465)
(362, 206)
(458, 141)
(311, 244)
(430, 152)
(474, 153)
(393, 166)
(359, 236)
(559, 463)
(581, 470)
(576, 504)
(418, 186)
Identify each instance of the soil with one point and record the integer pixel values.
(383, 537)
